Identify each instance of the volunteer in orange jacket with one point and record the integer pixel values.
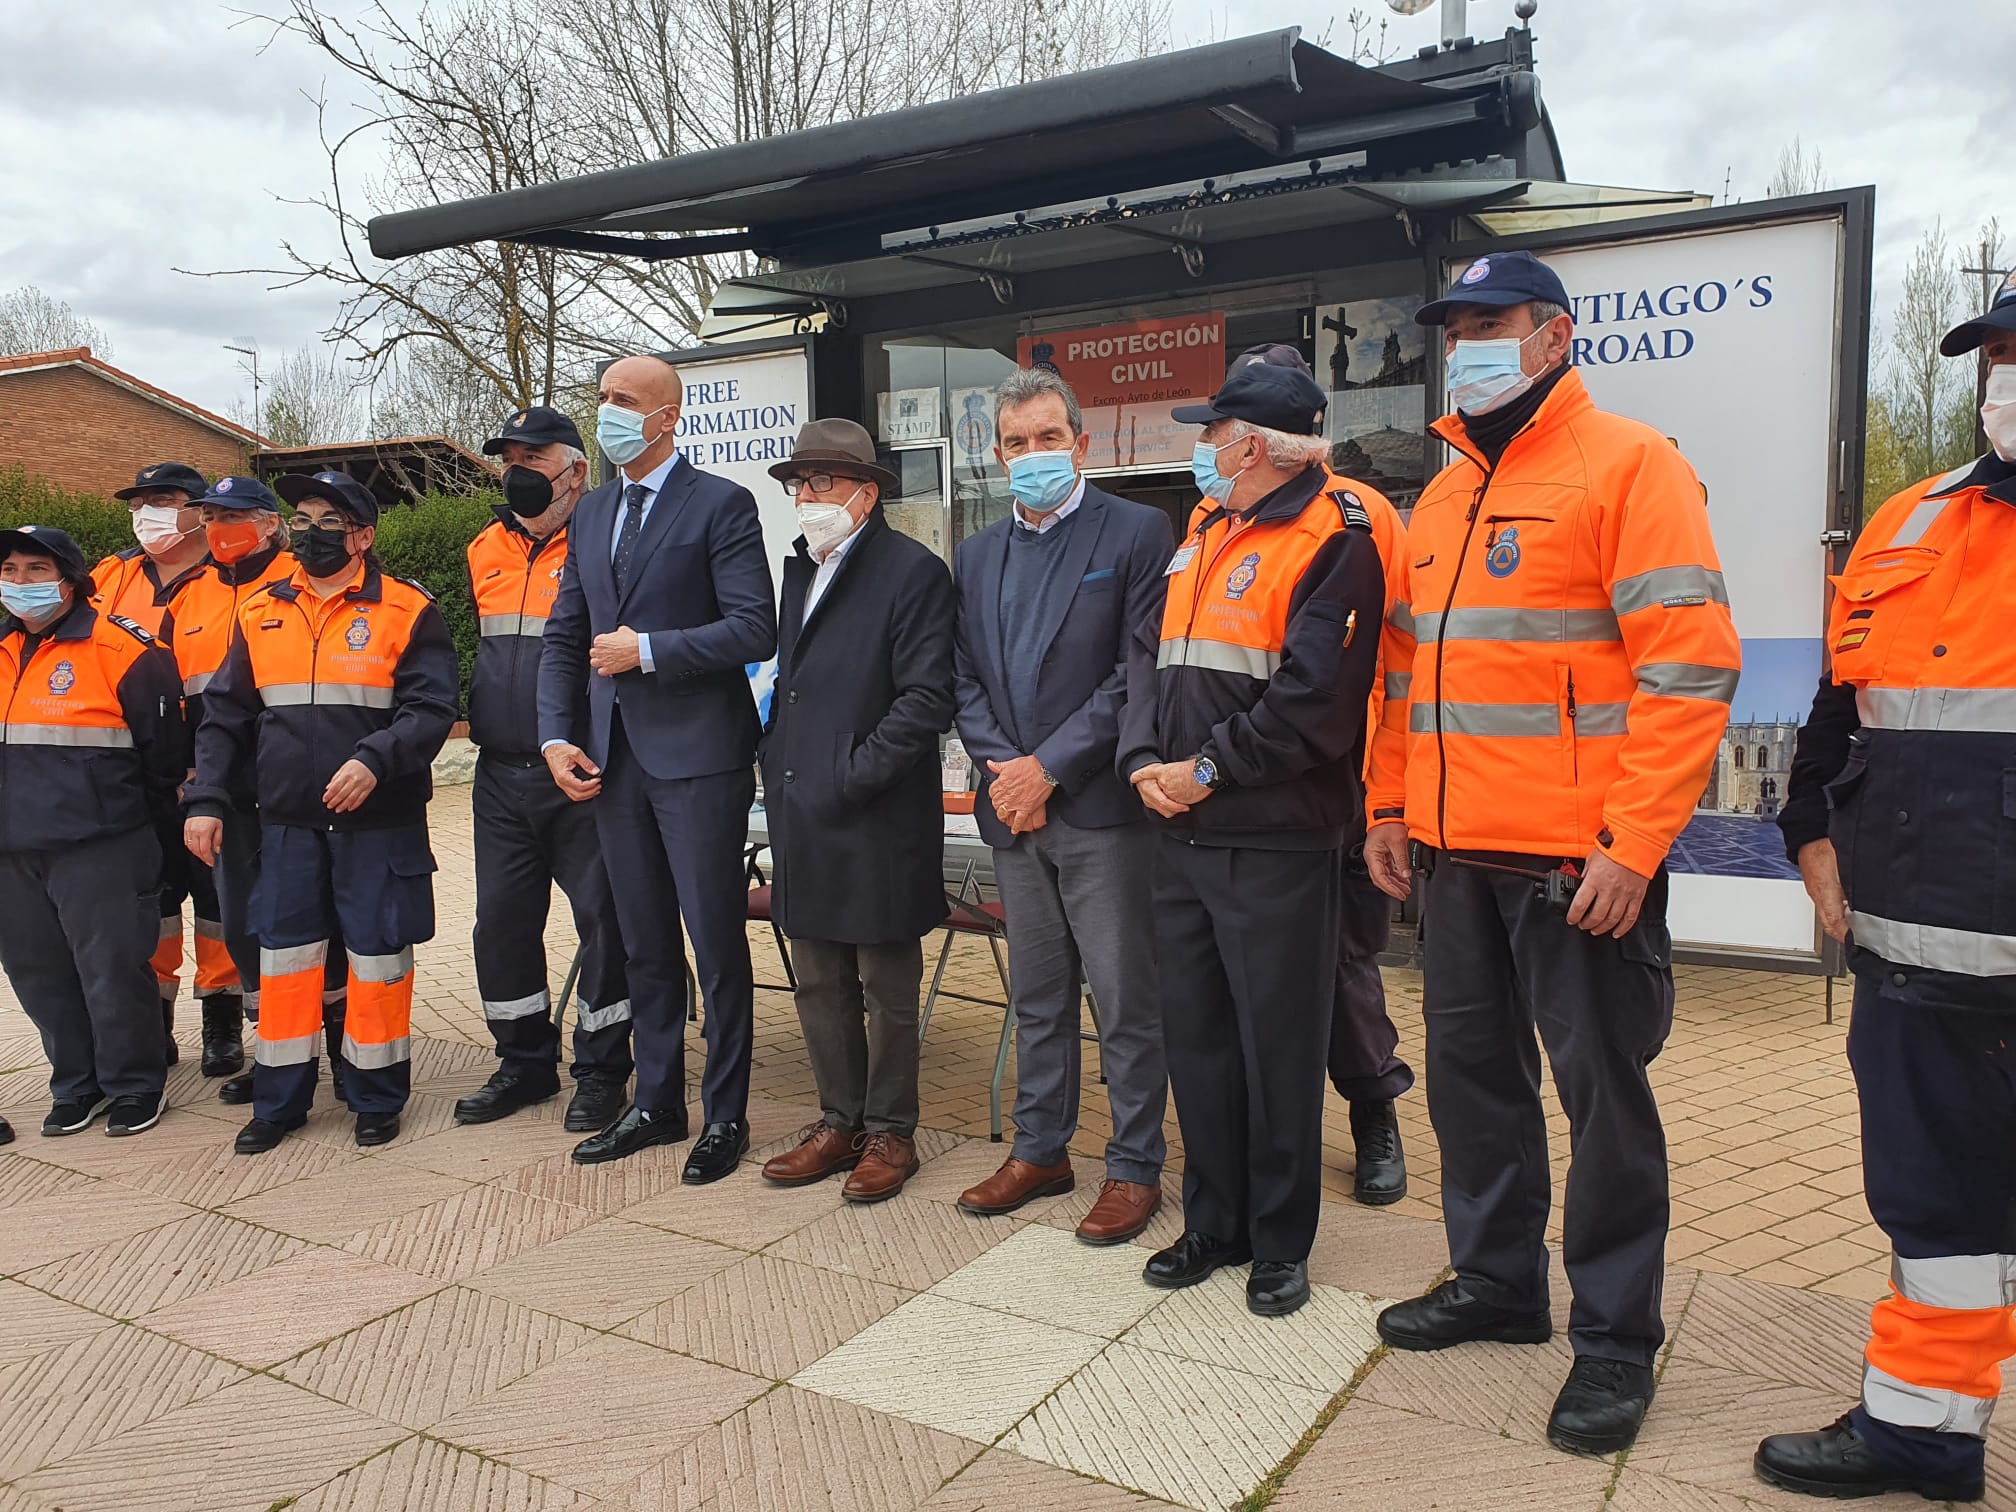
(91, 748)
(1902, 818)
(1243, 733)
(1570, 686)
(338, 692)
(143, 583)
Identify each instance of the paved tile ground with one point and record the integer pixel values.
(463, 1321)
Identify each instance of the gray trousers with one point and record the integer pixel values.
(77, 927)
(858, 1007)
(1076, 901)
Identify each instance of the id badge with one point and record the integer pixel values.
(1183, 558)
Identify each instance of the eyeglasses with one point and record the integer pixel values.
(819, 483)
(327, 527)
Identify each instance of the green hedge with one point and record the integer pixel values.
(425, 542)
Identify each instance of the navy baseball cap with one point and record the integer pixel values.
(338, 488)
(1262, 393)
(166, 475)
(1969, 334)
(46, 541)
(240, 493)
(1498, 278)
(538, 426)
(1274, 354)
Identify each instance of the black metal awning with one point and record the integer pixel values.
(1227, 107)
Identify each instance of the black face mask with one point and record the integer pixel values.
(527, 491)
(322, 553)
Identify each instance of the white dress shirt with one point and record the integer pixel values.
(1044, 522)
(655, 481)
(829, 567)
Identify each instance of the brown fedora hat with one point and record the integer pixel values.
(836, 446)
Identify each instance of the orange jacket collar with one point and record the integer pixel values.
(1569, 399)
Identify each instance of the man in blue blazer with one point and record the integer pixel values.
(665, 598)
(1048, 600)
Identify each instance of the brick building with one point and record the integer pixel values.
(83, 424)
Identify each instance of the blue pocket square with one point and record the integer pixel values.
(1103, 572)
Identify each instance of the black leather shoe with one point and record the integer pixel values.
(1192, 1258)
(262, 1134)
(716, 1153)
(593, 1106)
(1837, 1462)
(633, 1130)
(376, 1129)
(223, 1034)
(1382, 1165)
(1450, 1315)
(508, 1090)
(1601, 1406)
(6, 1132)
(1276, 1287)
(237, 1090)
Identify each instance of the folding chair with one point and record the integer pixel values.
(760, 911)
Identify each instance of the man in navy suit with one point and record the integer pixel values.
(665, 598)
(1048, 600)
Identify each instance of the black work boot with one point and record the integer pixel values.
(174, 1051)
(332, 1041)
(237, 1090)
(1601, 1406)
(223, 1034)
(1382, 1164)
(1836, 1462)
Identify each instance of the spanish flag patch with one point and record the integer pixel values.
(1851, 639)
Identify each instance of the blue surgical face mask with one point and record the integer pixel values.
(1485, 374)
(1041, 481)
(1213, 484)
(31, 601)
(620, 433)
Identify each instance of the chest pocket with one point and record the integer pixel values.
(1874, 603)
(1523, 552)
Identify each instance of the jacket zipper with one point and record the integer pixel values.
(1574, 745)
(1196, 598)
(1494, 521)
(314, 661)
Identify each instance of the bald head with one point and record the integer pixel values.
(647, 387)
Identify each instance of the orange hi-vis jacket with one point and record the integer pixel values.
(1923, 801)
(127, 584)
(513, 580)
(309, 683)
(1575, 658)
(206, 615)
(1386, 714)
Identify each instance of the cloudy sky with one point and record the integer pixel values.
(147, 135)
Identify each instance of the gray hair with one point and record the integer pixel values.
(1025, 384)
(1545, 310)
(1285, 452)
(573, 454)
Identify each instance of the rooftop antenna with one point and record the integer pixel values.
(1456, 15)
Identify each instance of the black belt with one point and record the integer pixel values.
(512, 758)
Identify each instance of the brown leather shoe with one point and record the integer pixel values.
(822, 1150)
(887, 1161)
(1016, 1183)
(1123, 1210)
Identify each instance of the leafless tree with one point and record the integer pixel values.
(1798, 172)
(31, 321)
(312, 396)
(1929, 396)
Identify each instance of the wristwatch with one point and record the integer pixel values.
(1206, 772)
(1048, 776)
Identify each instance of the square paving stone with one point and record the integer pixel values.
(469, 1232)
(347, 1199)
(766, 1316)
(70, 1222)
(431, 1359)
(275, 1313)
(1046, 1276)
(1378, 1253)
(483, 1152)
(1637, 1492)
(743, 1210)
(606, 1189)
(94, 1388)
(1806, 1338)
(913, 1245)
(33, 1323)
(1192, 1433)
(238, 1450)
(422, 1475)
(1474, 1385)
(951, 1366)
(215, 1176)
(602, 1414)
(98, 1155)
(998, 1479)
(162, 1266)
(23, 1180)
(606, 1272)
(1320, 1347)
(804, 1451)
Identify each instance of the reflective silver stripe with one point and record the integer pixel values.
(377, 1057)
(1593, 720)
(1486, 719)
(1925, 511)
(1961, 1283)
(103, 737)
(1401, 617)
(171, 926)
(515, 1008)
(1553, 625)
(381, 968)
(290, 960)
(1398, 684)
(592, 1019)
(1219, 656)
(196, 682)
(1908, 1406)
(1965, 951)
(1688, 680)
(208, 929)
(167, 988)
(297, 1051)
(1629, 595)
(511, 624)
(252, 1004)
(351, 695)
(1976, 711)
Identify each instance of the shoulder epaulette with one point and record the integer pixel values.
(1351, 508)
(419, 588)
(138, 632)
